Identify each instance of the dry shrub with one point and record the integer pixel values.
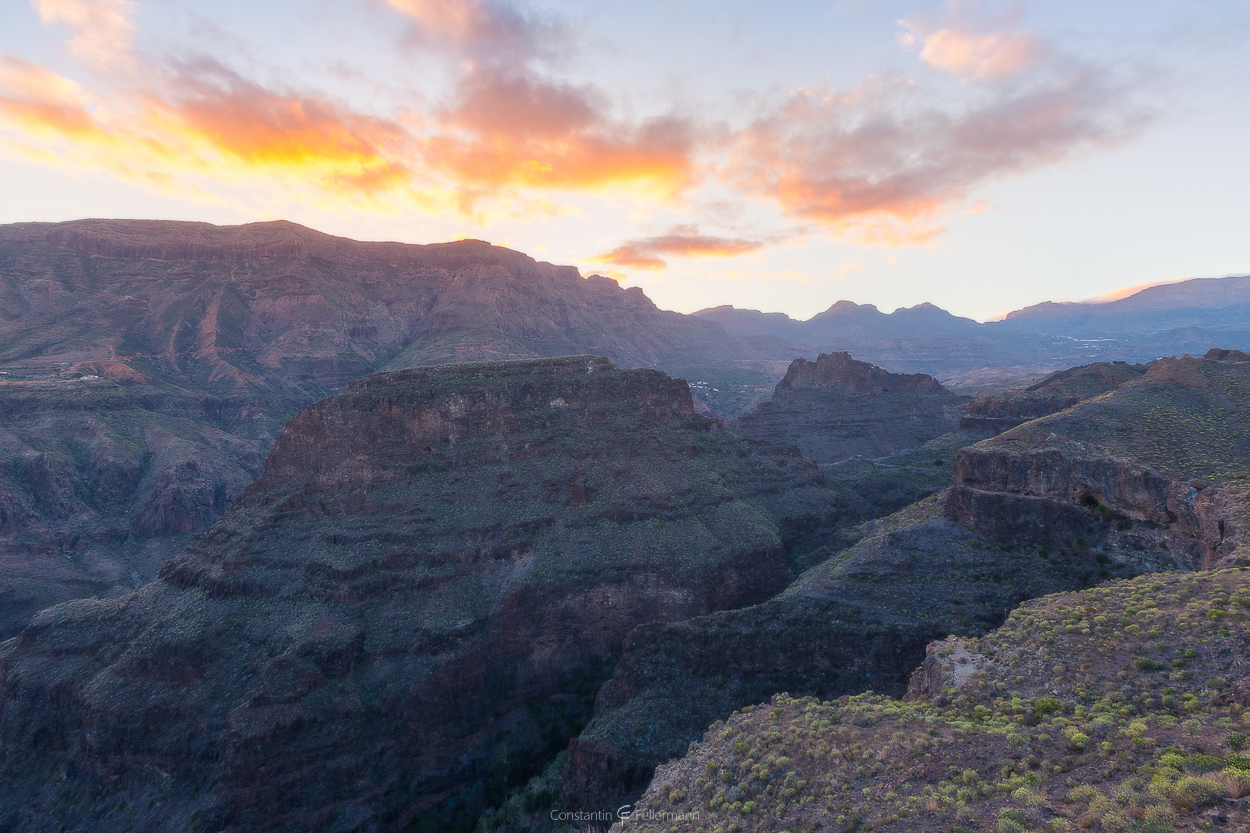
(1236, 780)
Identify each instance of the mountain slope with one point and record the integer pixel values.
(431, 578)
(147, 366)
(1118, 708)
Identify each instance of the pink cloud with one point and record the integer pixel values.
(101, 31)
(993, 55)
(880, 164)
(683, 241)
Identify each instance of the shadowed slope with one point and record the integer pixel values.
(435, 563)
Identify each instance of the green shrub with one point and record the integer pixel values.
(1006, 825)
(1147, 664)
(1199, 762)
(1046, 705)
(1192, 792)
(1236, 740)
(1237, 762)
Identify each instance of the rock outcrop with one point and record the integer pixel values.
(421, 592)
(836, 408)
(1057, 392)
(1152, 474)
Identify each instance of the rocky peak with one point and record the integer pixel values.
(840, 373)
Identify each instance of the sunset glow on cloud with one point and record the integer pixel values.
(880, 167)
(868, 163)
(991, 55)
(101, 31)
(683, 241)
(468, 115)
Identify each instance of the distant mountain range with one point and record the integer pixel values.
(1189, 317)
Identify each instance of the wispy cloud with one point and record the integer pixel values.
(101, 31)
(43, 105)
(483, 33)
(206, 123)
(972, 54)
(508, 131)
(883, 164)
(682, 241)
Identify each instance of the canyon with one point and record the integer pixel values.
(435, 565)
(354, 536)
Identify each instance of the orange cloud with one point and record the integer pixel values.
(101, 30)
(516, 130)
(224, 128)
(285, 133)
(877, 165)
(683, 241)
(42, 103)
(994, 55)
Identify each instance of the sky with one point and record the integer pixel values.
(980, 156)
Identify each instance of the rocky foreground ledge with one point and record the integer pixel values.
(422, 592)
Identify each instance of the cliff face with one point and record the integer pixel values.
(1153, 474)
(836, 408)
(433, 574)
(860, 620)
(146, 368)
(102, 479)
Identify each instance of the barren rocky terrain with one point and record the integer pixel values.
(146, 368)
(424, 589)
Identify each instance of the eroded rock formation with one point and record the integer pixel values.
(146, 368)
(858, 621)
(436, 569)
(836, 408)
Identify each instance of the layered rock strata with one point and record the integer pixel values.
(836, 408)
(146, 368)
(435, 570)
(1154, 474)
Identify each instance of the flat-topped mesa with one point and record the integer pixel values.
(1152, 474)
(836, 408)
(435, 572)
(841, 373)
(442, 415)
